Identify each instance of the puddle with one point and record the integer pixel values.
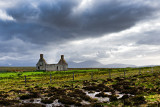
(104, 99)
(56, 103)
(100, 99)
(120, 96)
(38, 101)
(85, 102)
(92, 95)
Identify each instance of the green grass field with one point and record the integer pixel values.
(14, 79)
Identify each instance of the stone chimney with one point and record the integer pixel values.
(62, 57)
(41, 56)
(62, 61)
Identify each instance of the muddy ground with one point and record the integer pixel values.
(95, 93)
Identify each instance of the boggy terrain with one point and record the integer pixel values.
(137, 90)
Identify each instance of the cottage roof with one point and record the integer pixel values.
(42, 59)
(62, 61)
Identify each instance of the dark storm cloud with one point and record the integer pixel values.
(58, 13)
(23, 11)
(56, 21)
(106, 17)
(29, 32)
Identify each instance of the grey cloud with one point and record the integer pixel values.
(23, 11)
(29, 32)
(57, 14)
(149, 38)
(103, 54)
(55, 21)
(113, 16)
(16, 47)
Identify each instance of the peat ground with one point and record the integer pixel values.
(131, 90)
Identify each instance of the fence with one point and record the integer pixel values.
(65, 78)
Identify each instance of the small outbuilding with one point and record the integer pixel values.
(61, 66)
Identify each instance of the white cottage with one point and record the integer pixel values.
(42, 65)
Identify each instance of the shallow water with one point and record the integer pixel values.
(85, 102)
(38, 101)
(100, 99)
(92, 95)
(103, 99)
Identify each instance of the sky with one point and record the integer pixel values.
(107, 31)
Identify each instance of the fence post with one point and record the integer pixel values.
(139, 71)
(109, 74)
(50, 78)
(72, 82)
(152, 69)
(25, 80)
(124, 73)
(92, 76)
(73, 76)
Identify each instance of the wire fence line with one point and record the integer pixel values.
(71, 78)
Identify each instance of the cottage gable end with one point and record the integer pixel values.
(62, 61)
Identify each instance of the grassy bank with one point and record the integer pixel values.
(148, 78)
